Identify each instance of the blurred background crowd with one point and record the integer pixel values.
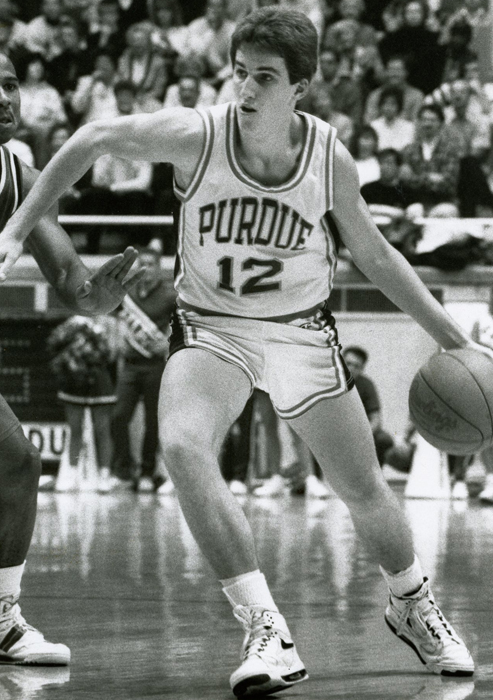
(407, 83)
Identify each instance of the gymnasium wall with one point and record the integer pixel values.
(396, 344)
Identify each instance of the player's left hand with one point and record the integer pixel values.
(106, 288)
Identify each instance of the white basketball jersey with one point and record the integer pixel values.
(246, 249)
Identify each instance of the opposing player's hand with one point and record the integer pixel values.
(105, 289)
(10, 251)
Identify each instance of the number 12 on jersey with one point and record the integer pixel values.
(256, 283)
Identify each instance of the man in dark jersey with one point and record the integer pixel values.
(83, 292)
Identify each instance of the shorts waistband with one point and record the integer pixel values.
(301, 316)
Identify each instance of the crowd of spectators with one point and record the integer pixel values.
(407, 83)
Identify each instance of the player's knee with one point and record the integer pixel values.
(180, 442)
(20, 466)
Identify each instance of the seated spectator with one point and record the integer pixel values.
(390, 198)
(387, 195)
(94, 96)
(351, 9)
(480, 98)
(42, 107)
(323, 108)
(9, 11)
(356, 359)
(142, 65)
(191, 66)
(471, 128)
(65, 69)
(365, 155)
(188, 91)
(105, 35)
(431, 163)
(209, 37)
(474, 13)
(362, 63)
(395, 76)
(392, 129)
(12, 38)
(418, 45)
(312, 8)
(57, 136)
(346, 92)
(458, 51)
(119, 186)
(42, 33)
(169, 36)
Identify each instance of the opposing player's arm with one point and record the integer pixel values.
(382, 263)
(52, 248)
(171, 135)
(79, 288)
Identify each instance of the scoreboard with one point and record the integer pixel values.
(28, 384)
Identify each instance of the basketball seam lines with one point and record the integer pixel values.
(460, 415)
(479, 387)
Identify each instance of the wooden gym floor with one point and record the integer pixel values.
(120, 580)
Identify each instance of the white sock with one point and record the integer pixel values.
(249, 589)
(404, 582)
(10, 580)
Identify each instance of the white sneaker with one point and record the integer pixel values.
(418, 621)
(166, 489)
(269, 659)
(273, 487)
(146, 485)
(46, 482)
(314, 488)
(459, 491)
(486, 495)
(21, 644)
(67, 480)
(238, 488)
(105, 481)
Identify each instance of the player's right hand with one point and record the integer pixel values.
(10, 251)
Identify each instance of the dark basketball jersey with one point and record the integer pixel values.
(10, 185)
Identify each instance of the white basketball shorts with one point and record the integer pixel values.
(296, 365)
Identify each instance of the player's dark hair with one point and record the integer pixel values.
(286, 33)
(359, 352)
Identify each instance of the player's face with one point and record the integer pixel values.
(10, 101)
(262, 86)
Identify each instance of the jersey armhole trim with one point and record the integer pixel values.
(329, 167)
(16, 179)
(185, 195)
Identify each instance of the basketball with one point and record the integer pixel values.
(451, 401)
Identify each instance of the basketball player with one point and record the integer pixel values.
(19, 460)
(264, 189)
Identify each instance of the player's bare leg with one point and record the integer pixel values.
(20, 468)
(201, 396)
(339, 435)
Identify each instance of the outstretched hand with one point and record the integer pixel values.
(106, 288)
(10, 251)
